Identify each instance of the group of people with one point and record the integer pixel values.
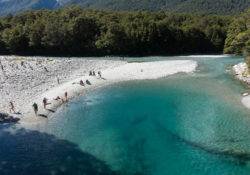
(65, 99)
(45, 102)
(82, 83)
(92, 73)
(35, 105)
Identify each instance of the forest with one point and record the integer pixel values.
(222, 7)
(238, 35)
(79, 32)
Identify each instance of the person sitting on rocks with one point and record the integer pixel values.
(22, 63)
(57, 98)
(90, 73)
(100, 74)
(93, 73)
(88, 82)
(81, 83)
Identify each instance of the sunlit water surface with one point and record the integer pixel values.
(185, 124)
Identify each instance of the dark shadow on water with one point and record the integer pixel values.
(28, 152)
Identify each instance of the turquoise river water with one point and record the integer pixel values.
(184, 124)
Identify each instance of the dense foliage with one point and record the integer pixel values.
(187, 6)
(74, 31)
(238, 38)
(228, 7)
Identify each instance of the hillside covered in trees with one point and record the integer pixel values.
(228, 7)
(74, 31)
(238, 37)
(182, 6)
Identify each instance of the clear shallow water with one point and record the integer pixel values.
(183, 124)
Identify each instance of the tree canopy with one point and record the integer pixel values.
(221, 7)
(238, 38)
(75, 31)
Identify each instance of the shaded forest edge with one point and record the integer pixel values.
(74, 31)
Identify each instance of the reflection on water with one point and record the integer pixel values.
(183, 124)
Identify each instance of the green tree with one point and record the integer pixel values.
(112, 41)
(84, 34)
(36, 35)
(15, 39)
(238, 34)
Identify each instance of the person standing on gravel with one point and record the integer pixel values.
(12, 108)
(58, 80)
(2, 68)
(35, 107)
(66, 96)
(45, 102)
